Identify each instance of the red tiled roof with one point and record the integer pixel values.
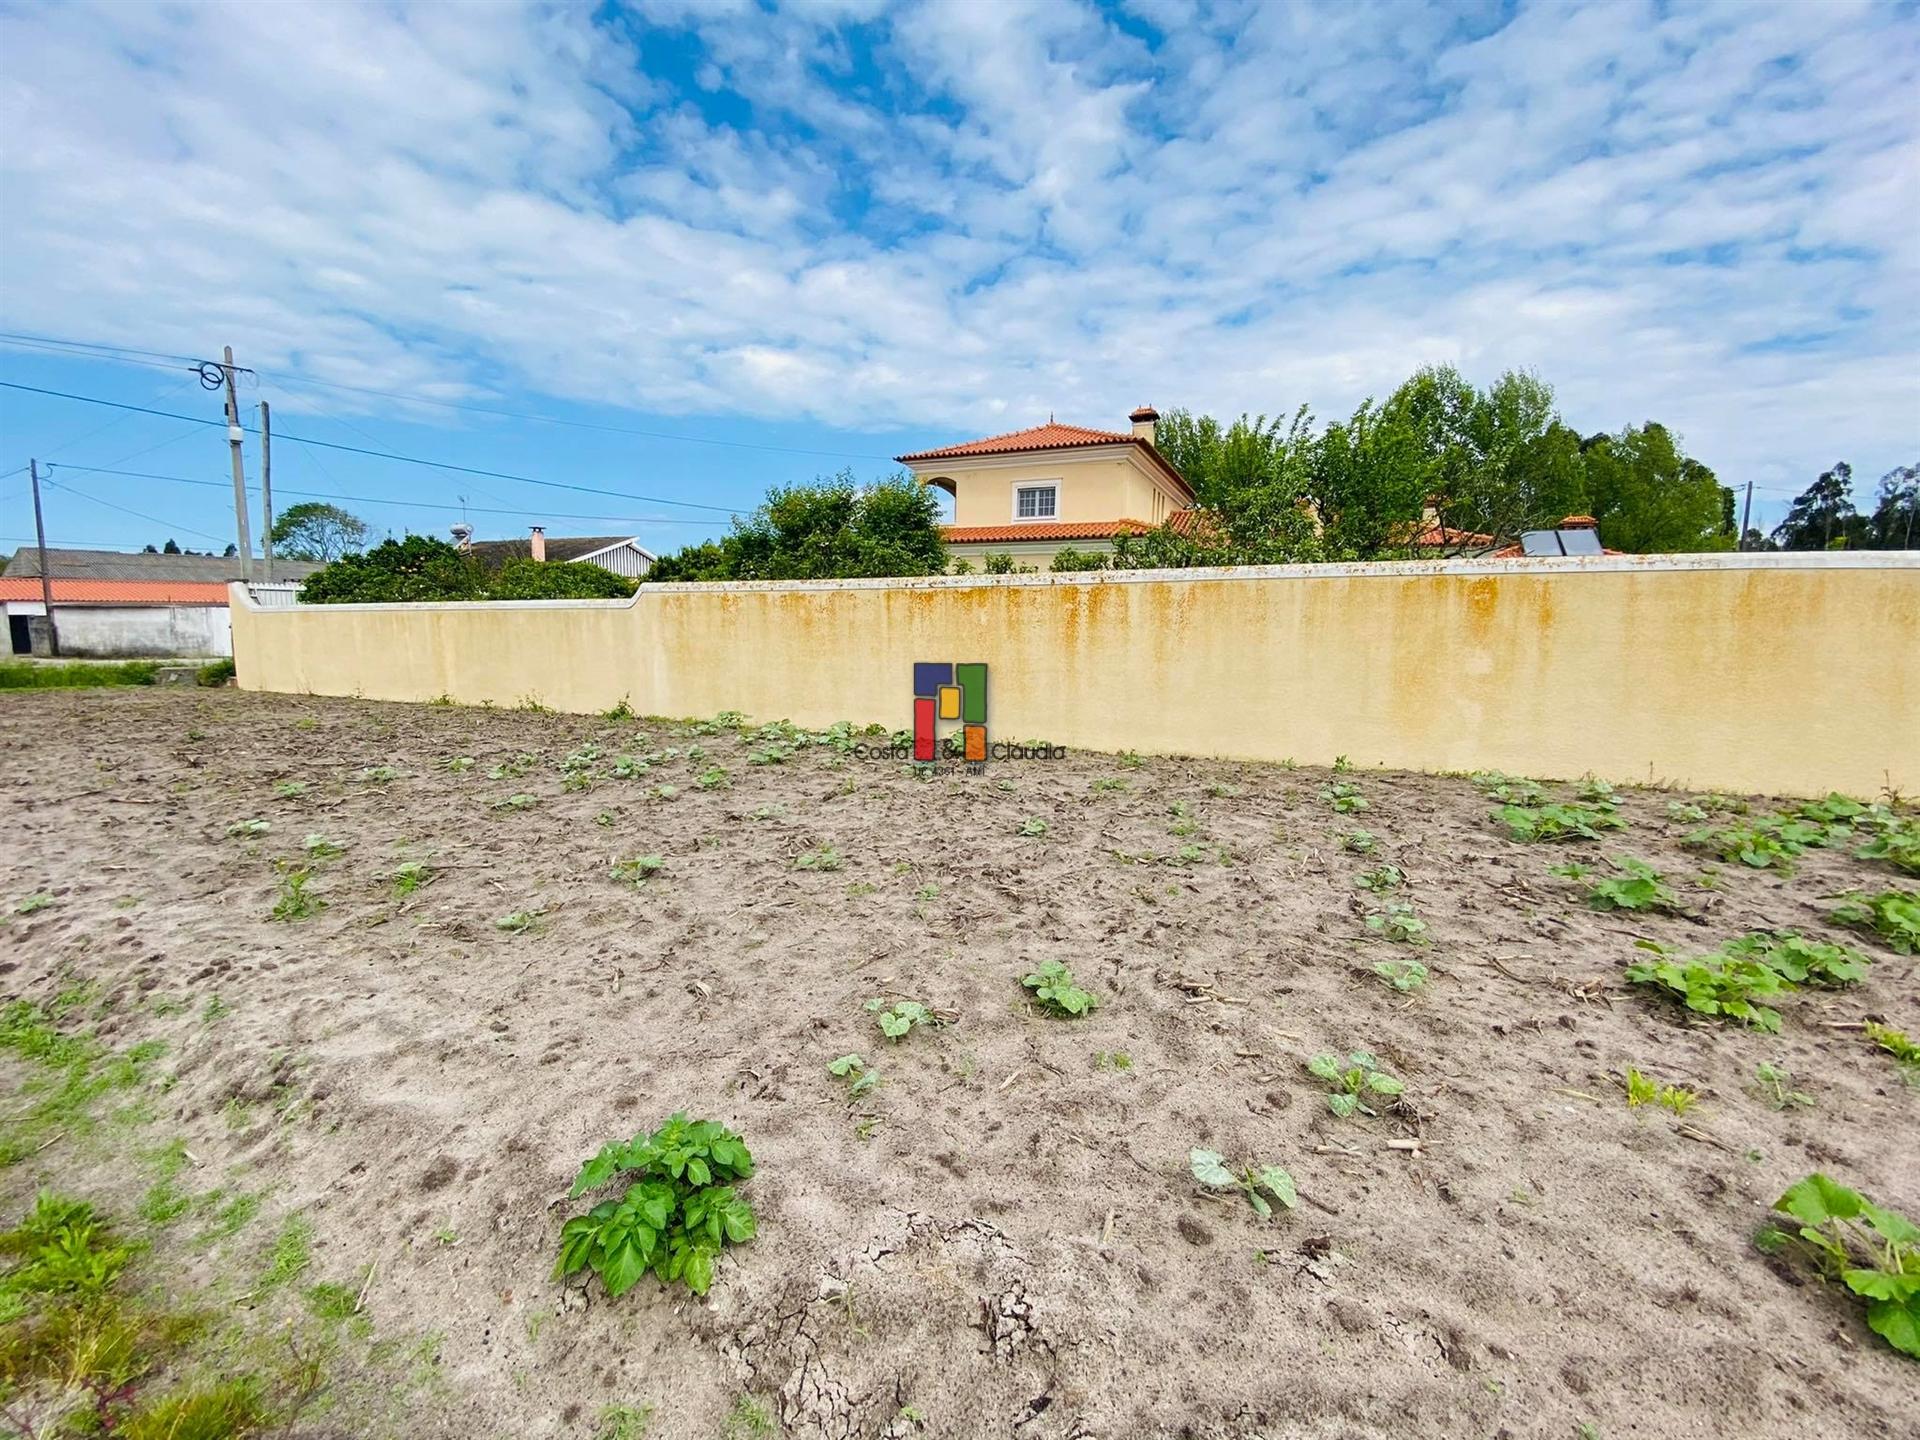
(1050, 436)
(116, 592)
(1043, 530)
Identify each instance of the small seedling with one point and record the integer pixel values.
(515, 802)
(295, 901)
(1112, 1060)
(1359, 842)
(1595, 792)
(1399, 924)
(1345, 799)
(1897, 1044)
(1210, 1169)
(1571, 870)
(605, 819)
(1509, 789)
(1404, 975)
(289, 790)
(457, 764)
(1645, 1090)
(821, 857)
(409, 877)
(1131, 760)
(1380, 878)
(1033, 825)
(639, 869)
(519, 922)
(854, 1071)
(32, 904)
(1776, 1084)
(1898, 843)
(1053, 986)
(764, 812)
(1772, 842)
(1798, 960)
(247, 829)
(663, 792)
(897, 1019)
(1220, 790)
(1358, 1076)
(319, 847)
(714, 777)
(379, 774)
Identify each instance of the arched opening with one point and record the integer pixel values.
(943, 483)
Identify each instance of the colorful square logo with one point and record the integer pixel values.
(944, 690)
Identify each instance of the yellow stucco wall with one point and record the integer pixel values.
(1790, 674)
(1109, 485)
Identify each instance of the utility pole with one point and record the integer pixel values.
(46, 575)
(266, 490)
(234, 434)
(1746, 515)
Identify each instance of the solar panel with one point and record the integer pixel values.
(1579, 542)
(1541, 542)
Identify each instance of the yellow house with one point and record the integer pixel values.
(1033, 492)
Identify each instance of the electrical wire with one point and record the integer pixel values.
(138, 514)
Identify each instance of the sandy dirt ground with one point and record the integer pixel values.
(1002, 1238)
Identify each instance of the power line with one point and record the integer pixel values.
(84, 349)
(382, 454)
(137, 514)
(382, 500)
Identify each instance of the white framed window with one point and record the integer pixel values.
(1036, 502)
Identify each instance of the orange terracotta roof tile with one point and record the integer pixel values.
(116, 592)
(1042, 530)
(1050, 436)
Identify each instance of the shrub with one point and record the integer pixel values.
(675, 1216)
(1875, 1253)
(420, 568)
(557, 580)
(1067, 560)
(215, 674)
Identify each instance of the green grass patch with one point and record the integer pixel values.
(51, 675)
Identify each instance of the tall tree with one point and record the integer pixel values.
(1650, 498)
(317, 531)
(1368, 480)
(1501, 461)
(1895, 522)
(832, 529)
(1822, 516)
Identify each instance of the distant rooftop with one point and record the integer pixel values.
(139, 565)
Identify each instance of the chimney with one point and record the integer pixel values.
(462, 537)
(1145, 422)
(1579, 522)
(538, 539)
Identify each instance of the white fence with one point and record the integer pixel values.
(274, 595)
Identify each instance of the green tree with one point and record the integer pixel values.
(1368, 479)
(317, 531)
(1251, 508)
(1650, 498)
(556, 580)
(1505, 463)
(418, 567)
(1895, 522)
(1822, 516)
(832, 529)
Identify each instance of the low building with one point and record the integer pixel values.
(622, 554)
(115, 604)
(1031, 493)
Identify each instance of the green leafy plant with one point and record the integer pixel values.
(32, 904)
(1575, 820)
(1380, 878)
(714, 777)
(519, 922)
(1032, 825)
(901, 1016)
(513, 766)
(1636, 886)
(638, 869)
(1359, 842)
(379, 775)
(515, 802)
(247, 829)
(1508, 789)
(1770, 843)
(1354, 1079)
(1776, 1084)
(409, 877)
(675, 1215)
(319, 847)
(1713, 984)
(295, 901)
(1645, 1090)
(1398, 923)
(821, 857)
(1106, 784)
(854, 1071)
(1571, 870)
(1210, 1169)
(1345, 798)
(1595, 791)
(1053, 986)
(1893, 915)
(1898, 843)
(457, 764)
(289, 790)
(1897, 1044)
(1797, 959)
(1875, 1253)
(1405, 976)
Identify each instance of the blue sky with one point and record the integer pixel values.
(781, 240)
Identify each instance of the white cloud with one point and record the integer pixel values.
(950, 216)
